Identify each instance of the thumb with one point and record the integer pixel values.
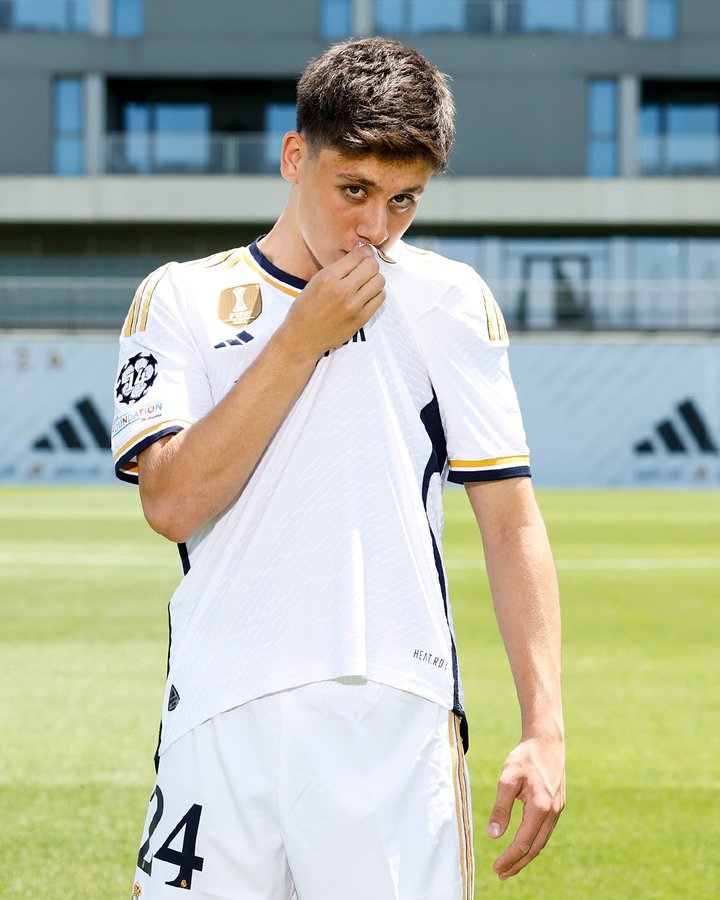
(500, 815)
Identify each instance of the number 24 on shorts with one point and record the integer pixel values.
(185, 859)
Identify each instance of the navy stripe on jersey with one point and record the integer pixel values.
(430, 417)
(490, 474)
(263, 261)
(157, 749)
(184, 558)
(136, 449)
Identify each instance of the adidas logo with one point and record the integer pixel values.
(82, 430)
(242, 337)
(683, 433)
(173, 698)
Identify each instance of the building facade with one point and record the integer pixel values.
(584, 184)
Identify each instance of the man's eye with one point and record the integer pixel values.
(354, 191)
(403, 200)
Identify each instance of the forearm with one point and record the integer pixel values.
(525, 596)
(188, 479)
(524, 588)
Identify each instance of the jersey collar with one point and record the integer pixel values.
(290, 284)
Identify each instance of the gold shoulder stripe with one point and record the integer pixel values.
(132, 312)
(155, 279)
(504, 336)
(137, 316)
(490, 310)
(215, 259)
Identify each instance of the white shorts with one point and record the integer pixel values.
(338, 790)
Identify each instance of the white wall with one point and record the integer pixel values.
(588, 404)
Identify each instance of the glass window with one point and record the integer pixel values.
(563, 16)
(693, 131)
(661, 18)
(279, 119)
(46, 15)
(420, 16)
(550, 15)
(651, 150)
(680, 128)
(336, 19)
(602, 159)
(659, 265)
(127, 18)
(165, 137)
(68, 144)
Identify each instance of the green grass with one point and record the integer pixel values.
(82, 655)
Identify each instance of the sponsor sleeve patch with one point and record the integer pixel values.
(150, 411)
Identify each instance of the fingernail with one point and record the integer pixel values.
(494, 830)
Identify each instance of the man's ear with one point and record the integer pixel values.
(294, 151)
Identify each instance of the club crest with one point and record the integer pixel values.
(241, 305)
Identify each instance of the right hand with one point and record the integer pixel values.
(336, 302)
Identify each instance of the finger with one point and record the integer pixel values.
(537, 845)
(350, 261)
(507, 793)
(532, 821)
(369, 290)
(364, 271)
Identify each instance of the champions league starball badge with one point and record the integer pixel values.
(136, 378)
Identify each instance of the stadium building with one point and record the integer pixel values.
(584, 187)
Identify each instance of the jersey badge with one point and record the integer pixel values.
(241, 305)
(137, 891)
(136, 378)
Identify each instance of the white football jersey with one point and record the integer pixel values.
(329, 563)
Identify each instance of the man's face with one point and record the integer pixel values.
(341, 201)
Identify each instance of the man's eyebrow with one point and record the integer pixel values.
(369, 183)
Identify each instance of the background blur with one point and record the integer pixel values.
(584, 187)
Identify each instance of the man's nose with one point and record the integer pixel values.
(372, 227)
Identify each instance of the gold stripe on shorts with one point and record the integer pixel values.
(462, 811)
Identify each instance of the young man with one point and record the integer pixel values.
(289, 409)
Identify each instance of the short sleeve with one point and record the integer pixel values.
(161, 385)
(465, 344)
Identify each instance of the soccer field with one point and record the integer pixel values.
(85, 584)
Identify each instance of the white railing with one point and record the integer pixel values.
(192, 153)
(258, 153)
(539, 305)
(65, 302)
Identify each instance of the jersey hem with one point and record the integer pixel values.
(489, 475)
(125, 469)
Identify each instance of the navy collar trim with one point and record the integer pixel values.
(265, 264)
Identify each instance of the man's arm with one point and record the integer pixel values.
(187, 478)
(525, 596)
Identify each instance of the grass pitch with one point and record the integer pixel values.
(84, 586)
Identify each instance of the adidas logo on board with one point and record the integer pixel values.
(81, 430)
(685, 432)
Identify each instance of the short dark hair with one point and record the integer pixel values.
(376, 97)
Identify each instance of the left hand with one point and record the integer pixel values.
(534, 772)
